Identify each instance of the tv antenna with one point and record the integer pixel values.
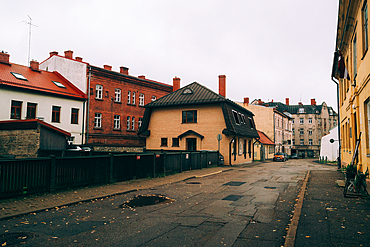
(29, 36)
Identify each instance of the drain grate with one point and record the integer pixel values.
(146, 200)
(233, 183)
(232, 198)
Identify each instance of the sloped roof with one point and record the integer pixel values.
(294, 109)
(41, 81)
(264, 139)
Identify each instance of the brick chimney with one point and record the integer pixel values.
(313, 102)
(68, 54)
(222, 85)
(34, 65)
(246, 100)
(78, 59)
(300, 103)
(272, 101)
(176, 83)
(123, 70)
(107, 67)
(141, 76)
(287, 101)
(53, 53)
(260, 102)
(4, 57)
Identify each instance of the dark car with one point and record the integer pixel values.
(286, 156)
(294, 156)
(279, 157)
(220, 159)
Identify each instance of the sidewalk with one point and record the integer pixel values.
(328, 218)
(23, 205)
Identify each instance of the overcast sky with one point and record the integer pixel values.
(267, 49)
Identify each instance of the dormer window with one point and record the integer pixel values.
(187, 91)
(301, 110)
(19, 76)
(236, 117)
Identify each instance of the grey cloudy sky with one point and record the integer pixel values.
(267, 49)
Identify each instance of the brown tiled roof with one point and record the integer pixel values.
(264, 139)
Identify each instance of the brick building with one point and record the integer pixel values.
(115, 100)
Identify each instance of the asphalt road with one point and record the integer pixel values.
(248, 205)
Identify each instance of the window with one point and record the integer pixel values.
(310, 142)
(292, 121)
(301, 131)
(163, 142)
(117, 95)
(133, 98)
(129, 97)
(117, 122)
(128, 123)
(16, 110)
(99, 92)
(271, 150)
(301, 142)
(301, 121)
(354, 46)
(310, 120)
(133, 123)
(59, 84)
(55, 117)
(236, 117)
(243, 118)
(365, 27)
(97, 120)
(293, 131)
(140, 122)
(335, 122)
(319, 121)
(310, 132)
(74, 116)
(31, 110)
(19, 76)
(175, 142)
(189, 116)
(301, 110)
(293, 141)
(251, 122)
(154, 98)
(141, 99)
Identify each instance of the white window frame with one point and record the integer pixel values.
(133, 98)
(133, 123)
(141, 99)
(154, 98)
(293, 141)
(99, 92)
(310, 142)
(129, 97)
(98, 120)
(310, 120)
(128, 122)
(310, 132)
(140, 122)
(117, 95)
(301, 121)
(301, 131)
(301, 142)
(301, 110)
(117, 122)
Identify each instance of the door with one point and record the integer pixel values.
(191, 144)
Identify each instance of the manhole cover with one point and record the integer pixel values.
(233, 183)
(232, 198)
(193, 183)
(270, 188)
(17, 238)
(146, 200)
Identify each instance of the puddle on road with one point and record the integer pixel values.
(146, 200)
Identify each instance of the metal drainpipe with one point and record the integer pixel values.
(88, 108)
(339, 162)
(274, 133)
(83, 122)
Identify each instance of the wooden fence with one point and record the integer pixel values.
(40, 175)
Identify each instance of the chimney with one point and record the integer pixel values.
(78, 59)
(53, 53)
(259, 102)
(176, 84)
(4, 57)
(123, 70)
(272, 101)
(246, 100)
(313, 102)
(68, 54)
(107, 67)
(222, 85)
(141, 76)
(300, 103)
(34, 65)
(287, 101)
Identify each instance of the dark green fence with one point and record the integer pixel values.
(39, 175)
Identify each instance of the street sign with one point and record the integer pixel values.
(219, 137)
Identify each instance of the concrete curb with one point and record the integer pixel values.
(292, 231)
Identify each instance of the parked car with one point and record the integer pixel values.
(286, 156)
(279, 157)
(294, 156)
(74, 148)
(221, 159)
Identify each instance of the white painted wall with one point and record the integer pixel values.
(72, 70)
(330, 150)
(44, 109)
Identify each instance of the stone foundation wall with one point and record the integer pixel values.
(20, 143)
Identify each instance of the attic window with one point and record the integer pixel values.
(301, 110)
(19, 76)
(251, 123)
(236, 117)
(187, 91)
(242, 118)
(59, 84)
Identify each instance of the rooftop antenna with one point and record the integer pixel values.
(29, 36)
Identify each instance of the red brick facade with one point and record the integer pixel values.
(109, 108)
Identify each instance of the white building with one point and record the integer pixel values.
(330, 150)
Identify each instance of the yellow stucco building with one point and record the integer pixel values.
(354, 92)
(194, 118)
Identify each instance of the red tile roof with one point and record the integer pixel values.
(264, 139)
(38, 80)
